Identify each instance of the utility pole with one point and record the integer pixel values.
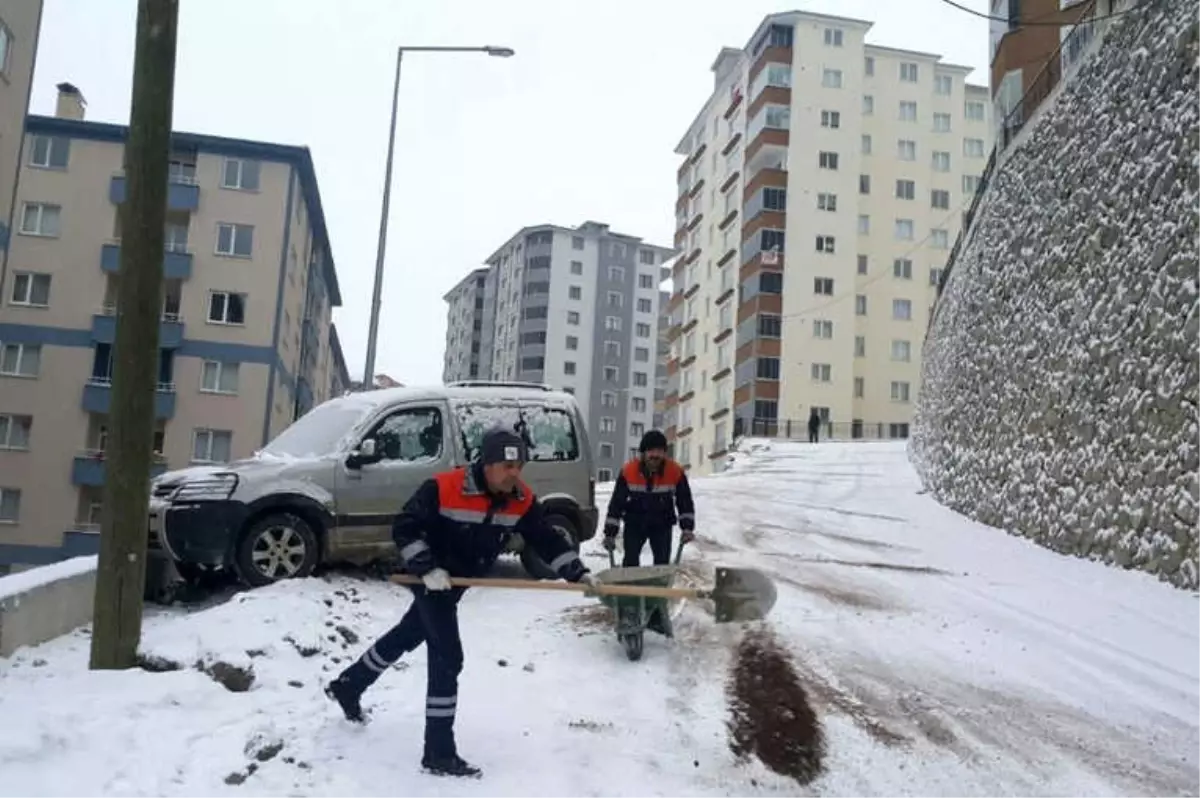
(121, 575)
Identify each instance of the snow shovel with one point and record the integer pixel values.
(740, 594)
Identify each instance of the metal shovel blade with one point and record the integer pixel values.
(742, 594)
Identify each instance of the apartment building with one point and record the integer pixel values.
(20, 23)
(577, 308)
(468, 314)
(246, 339)
(820, 188)
(339, 374)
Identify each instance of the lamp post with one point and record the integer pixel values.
(376, 296)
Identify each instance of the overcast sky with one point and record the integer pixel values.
(580, 124)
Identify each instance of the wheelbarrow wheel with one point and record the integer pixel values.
(632, 645)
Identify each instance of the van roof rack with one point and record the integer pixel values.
(540, 386)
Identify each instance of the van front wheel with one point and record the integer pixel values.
(274, 547)
(534, 565)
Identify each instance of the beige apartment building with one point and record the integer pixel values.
(246, 339)
(821, 186)
(20, 22)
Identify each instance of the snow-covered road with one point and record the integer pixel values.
(940, 656)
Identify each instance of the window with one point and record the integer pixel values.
(225, 307)
(974, 111)
(827, 202)
(572, 343)
(645, 306)
(574, 292)
(859, 387)
(219, 377)
(537, 363)
(906, 189)
(939, 198)
(864, 224)
(902, 309)
(616, 274)
(941, 161)
(943, 85)
(767, 368)
(576, 267)
(906, 150)
(822, 372)
(833, 37)
(777, 116)
(831, 119)
(48, 152)
(641, 354)
(639, 404)
(823, 286)
(865, 146)
(30, 289)
(576, 243)
(777, 75)
(825, 244)
(41, 219)
(612, 374)
(941, 123)
(642, 329)
(616, 249)
(606, 450)
(612, 323)
(770, 325)
(645, 280)
(569, 367)
(939, 238)
(860, 346)
(770, 282)
(549, 433)
(904, 230)
(608, 399)
(868, 105)
(971, 184)
(864, 184)
(831, 78)
(973, 148)
(646, 257)
(20, 360)
(902, 351)
(823, 329)
(860, 305)
(235, 240)
(612, 348)
(900, 391)
(908, 72)
(529, 338)
(212, 446)
(828, 160)
(774, 199)
(862, 264)
(637, 429)
(410, 435)
(240, 174)
(935, 276)
(10, 498)
(902, 269)
(14, 432)
(573, 318)
(604, 475)
(869, 66)
(908, 111)
(640, 380)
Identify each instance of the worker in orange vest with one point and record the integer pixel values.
(649, 490)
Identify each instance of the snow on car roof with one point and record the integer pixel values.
(387, 396)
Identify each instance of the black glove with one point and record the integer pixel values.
(687, 535)
(610, 542)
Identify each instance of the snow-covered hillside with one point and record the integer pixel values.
(932, 655)
(1060, 376)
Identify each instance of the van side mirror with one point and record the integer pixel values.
(364, 455)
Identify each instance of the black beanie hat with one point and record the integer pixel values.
(653, 440)
(500, 446)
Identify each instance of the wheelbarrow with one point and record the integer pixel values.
(633, 615)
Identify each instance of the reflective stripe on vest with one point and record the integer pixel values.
(458, 501)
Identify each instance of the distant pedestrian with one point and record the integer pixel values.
(814, 426)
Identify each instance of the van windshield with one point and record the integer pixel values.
(318, 432)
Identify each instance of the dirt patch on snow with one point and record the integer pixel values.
(839, 594)
(771, 716)
(589, 618)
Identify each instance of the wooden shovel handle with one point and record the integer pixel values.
(534, 584)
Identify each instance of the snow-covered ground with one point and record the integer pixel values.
(941, 657)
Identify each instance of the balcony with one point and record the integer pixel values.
(177, 262)
(97, 397)
(104, 328)
(183, 193)
(88, 468)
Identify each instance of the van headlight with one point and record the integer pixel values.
(217, 487)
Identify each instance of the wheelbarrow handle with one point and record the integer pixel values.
(537, 584)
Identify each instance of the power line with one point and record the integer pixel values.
(1036, 21)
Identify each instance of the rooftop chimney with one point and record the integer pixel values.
(71, 104)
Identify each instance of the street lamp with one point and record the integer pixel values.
(376, 296)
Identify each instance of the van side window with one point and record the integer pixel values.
(410, 435)
(549, 432)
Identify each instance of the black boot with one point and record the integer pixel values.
(452, 765)
(348, 697)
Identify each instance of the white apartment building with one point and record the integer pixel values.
(578, 309)
(821, 187)
(246, 340)
(466, 356)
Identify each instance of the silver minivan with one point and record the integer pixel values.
(327, 488)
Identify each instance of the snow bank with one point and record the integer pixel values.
(1059, 395)
(23, 582)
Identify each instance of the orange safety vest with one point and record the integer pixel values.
(665, 482)
(461, 500)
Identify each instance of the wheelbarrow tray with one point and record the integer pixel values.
(632, 613)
